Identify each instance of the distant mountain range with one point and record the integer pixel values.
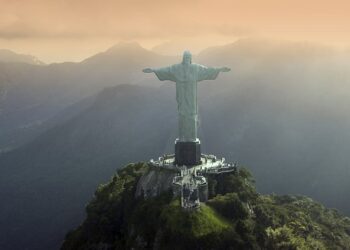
(9, 56)
(282, 111)
(30, 95)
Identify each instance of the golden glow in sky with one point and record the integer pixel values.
(70, 30)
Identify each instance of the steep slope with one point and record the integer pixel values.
(235, 217)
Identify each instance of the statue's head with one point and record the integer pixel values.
(187, 57)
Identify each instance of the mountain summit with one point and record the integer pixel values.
(126, 46)
(123, 215)
(121, 53)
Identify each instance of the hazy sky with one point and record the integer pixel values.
(61, 30)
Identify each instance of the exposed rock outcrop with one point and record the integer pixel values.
(154, 182)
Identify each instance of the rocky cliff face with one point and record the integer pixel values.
(235, 217)
(154, 183)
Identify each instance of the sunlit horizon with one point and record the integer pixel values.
(58, 31)
(167, 48)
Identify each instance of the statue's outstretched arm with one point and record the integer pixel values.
(210, 73)
(163, 74)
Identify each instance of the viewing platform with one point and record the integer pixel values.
(190, 182)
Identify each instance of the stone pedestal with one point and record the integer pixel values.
(187, 153)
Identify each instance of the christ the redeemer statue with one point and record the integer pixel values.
(186, 75)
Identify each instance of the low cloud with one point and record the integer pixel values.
(22, 30)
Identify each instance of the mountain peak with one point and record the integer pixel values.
(120, 52)
(126, 46)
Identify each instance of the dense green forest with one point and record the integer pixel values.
(235, 217)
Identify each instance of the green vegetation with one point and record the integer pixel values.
(203, 222)
(235, 217)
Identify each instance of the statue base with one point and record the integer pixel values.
(187, 153)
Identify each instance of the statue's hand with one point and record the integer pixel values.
(147, 70)
(225, 69)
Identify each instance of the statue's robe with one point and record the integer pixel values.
(186, 77)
